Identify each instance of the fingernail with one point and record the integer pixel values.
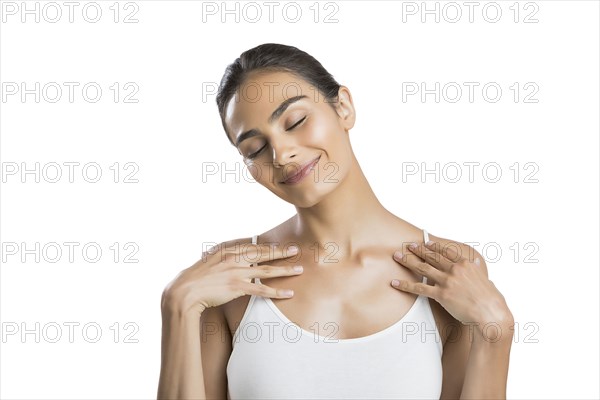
(298, 268)
(287, 293)
(412, 245)
(429, 243)
(395, 282)
(293, 249)
(398, 254)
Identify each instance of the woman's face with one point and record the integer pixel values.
(277, 132)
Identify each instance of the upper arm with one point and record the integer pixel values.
(457, 345)
(215, 347)
(454, 360)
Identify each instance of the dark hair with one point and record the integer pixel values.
(275, 57)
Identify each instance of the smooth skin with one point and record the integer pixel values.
(462, 287)
(217, 278)
(347, 242)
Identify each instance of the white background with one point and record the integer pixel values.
(173, 134)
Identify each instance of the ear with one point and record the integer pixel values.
(345, 108)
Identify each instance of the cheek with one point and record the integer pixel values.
(322, 132)
(318, 132)
(262, 174)
(253, 169)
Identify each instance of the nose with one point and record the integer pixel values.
(284, 151)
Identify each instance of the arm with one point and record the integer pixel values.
(196, 341)
(487, 367)
(195, 352)
(181, 375)
(183, 354)
(490, 340)
(475, 364)
(475, 368)
(454, 358)
(216, 343)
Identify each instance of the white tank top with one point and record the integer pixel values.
(273, 358)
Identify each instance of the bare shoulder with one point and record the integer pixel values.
(463, 250)
(228, 245)
(220, 250)
(231, 310)
(456, 343)
(445, 321)
(216, 334)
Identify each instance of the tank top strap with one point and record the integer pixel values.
(425, 240)
(254, 241)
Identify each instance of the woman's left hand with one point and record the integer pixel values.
(461, 286)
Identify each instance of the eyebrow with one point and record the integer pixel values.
(274, 116)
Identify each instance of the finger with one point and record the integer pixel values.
(423, 268)
(434, 258)
(279, 252)
(415, 287)
(271, 271)
(258, 289)
(259, 253)
(436, 273)
(452, 251)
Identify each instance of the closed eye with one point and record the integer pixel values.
(253, 155)
(295, 125)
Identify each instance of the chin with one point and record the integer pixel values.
(306, 194)
(305, 202)
(306, 198)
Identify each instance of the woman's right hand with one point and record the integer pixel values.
(226, 274)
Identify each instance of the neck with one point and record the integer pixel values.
(346, 217)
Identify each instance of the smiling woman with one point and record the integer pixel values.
(353, 312)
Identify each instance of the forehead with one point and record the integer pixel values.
(259, 95)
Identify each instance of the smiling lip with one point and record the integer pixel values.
(302, 173)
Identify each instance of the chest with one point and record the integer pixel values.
(346, 307)
(339, 303)
(371, 369)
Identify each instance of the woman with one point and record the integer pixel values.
(443, 332)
